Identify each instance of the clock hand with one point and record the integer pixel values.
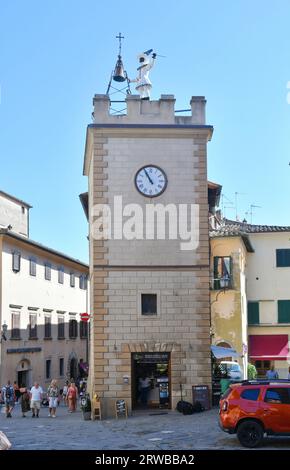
(146, 173)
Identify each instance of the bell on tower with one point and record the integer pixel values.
(118, 75)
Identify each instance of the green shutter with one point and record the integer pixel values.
(253, 313)
(283, 258)
(283, 311)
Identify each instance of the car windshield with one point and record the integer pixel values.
(234, 367)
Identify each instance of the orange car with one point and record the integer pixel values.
(254, 408)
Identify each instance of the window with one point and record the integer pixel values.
(32, 267)
(16, 261)
(283, 311)
(61, 367)
(60, 275)
(148, 304)
(222, 272)
(73, 328)
(83, 281)
(60, 327)
(15, 325)
(283, 258)
(47, 327)
(83, 329)
(262, 367)
(72, 279)
(47, 369)
(32, 326)
(250, 394)
(47, 271)
(278, 395)
(23, 209)
(253, 313)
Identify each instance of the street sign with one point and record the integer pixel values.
(85, 316)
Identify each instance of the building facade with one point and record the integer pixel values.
(150, 298)
(42, 293)
(251, 312)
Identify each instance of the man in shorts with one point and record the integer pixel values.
(36, 393)
(8, 396)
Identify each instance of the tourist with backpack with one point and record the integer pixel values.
(8, 397)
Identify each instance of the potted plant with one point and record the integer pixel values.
(86, 407)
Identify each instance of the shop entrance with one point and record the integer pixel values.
(151, 380)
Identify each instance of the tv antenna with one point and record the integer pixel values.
(236, 203)
(251, 212)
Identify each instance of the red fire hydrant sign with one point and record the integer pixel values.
(85, 316)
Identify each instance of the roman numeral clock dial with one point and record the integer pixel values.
(150, 181)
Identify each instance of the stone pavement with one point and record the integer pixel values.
(170, 431)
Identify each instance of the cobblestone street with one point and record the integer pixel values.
(171, 431)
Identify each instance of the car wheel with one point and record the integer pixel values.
(250, 433)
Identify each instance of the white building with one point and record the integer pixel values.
(42, 293)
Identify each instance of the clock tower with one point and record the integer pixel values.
(149, 252)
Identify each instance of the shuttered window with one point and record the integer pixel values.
(47, 327)
(72, 279)
(283, 311)
(83, 329)
(60, 327)
(253, 313)
(60, 275)
(73, 328)
(32, 267)
(283, 258)
(15, 325)
(32, 326)
(47, 271)
(16, 261)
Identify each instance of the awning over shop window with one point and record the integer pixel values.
(269, 347)
(220, 352)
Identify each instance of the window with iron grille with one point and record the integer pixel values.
(32, 326)
(32, 267)
(47, 271)
(47, 327)
(61, 366)
(16, 261)
(60, 275)
(15, 325)
(60, 327)
(73, 328)
(47, 369)
(83, 329)
(222, 272)
(148, 304)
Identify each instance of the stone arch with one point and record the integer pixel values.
(24, 372)
(224, 344)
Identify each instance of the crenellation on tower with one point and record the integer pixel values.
(138, 111)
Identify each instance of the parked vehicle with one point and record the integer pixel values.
(253, 408)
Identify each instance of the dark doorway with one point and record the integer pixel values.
(73, 369)
(151, 380)
(22, 378)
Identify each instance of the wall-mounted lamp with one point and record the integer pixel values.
(4, 332)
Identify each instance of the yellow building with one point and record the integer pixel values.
(250, 299)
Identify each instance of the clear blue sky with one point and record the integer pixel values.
(55, 55)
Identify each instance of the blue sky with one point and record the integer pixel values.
(54, 56)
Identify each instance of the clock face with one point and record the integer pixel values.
(151, 180)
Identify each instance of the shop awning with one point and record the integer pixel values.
(220, 352)
(268, 347)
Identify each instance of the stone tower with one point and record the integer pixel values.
(149, 290)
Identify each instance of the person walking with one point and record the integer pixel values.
(272, 373)
(72, 395)
(64, 392)
(52, 393)
(17, 393)
(144, 386)
(25, 401)
(36, 393)
(8, 396)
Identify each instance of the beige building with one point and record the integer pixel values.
(150, 298)
(42, 293)
(250, 302)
